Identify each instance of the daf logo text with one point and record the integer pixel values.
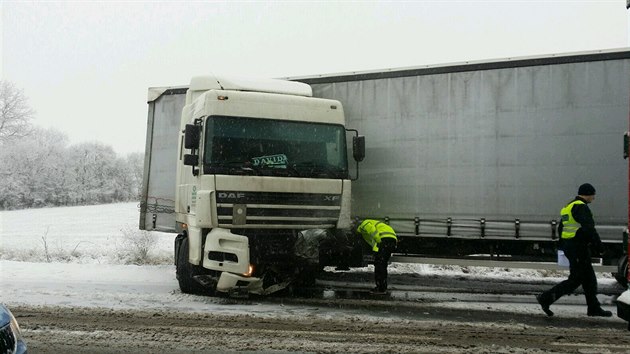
(231, 195)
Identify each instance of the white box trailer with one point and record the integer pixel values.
(478, 158)
(157, 203)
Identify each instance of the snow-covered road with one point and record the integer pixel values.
(91, 308)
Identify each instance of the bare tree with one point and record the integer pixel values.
(15, 112)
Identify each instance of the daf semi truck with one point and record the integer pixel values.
(238, 168)
(470, 163)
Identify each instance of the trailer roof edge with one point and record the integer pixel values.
(157, 92)
(552, 59)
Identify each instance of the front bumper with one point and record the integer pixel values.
(233, 283)
(228, 254)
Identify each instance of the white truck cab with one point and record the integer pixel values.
(258, 161)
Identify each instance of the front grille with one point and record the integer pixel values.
(277, 210)
(7, 339)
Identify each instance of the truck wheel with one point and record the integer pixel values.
(186, 271)
(622, 271)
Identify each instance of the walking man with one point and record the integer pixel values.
(578, 238)
(382, 238)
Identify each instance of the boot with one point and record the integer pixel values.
(599, 312)
(544, 304)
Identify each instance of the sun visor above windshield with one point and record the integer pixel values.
(204, 83)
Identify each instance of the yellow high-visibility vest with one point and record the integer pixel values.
(373, 231)
(569, 225)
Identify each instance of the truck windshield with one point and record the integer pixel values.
(265, 147)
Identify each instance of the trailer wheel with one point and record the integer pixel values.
(186, 271)
(622, 271)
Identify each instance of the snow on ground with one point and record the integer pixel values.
(107, 286)
(83, 234)
(79, 256)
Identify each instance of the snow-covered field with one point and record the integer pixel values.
(89, 256)
(81, 234)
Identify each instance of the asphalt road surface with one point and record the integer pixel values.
(413, 319)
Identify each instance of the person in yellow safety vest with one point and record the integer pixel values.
(578, 237)
(382, 239)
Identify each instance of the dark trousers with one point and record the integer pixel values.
(581, 273)
(381, 258)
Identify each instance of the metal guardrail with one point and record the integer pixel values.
(494, 263)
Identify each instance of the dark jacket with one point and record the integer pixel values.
(586, 235)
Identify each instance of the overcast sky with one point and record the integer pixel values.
(86, 66)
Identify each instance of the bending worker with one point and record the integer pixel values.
(578, 238)
(382, 238)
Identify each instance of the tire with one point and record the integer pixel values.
(622, 271)
(186, 271)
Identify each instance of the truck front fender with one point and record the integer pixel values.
(226, 252)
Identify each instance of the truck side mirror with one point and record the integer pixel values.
(358, 148)
(191, 136)
(191, 160)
